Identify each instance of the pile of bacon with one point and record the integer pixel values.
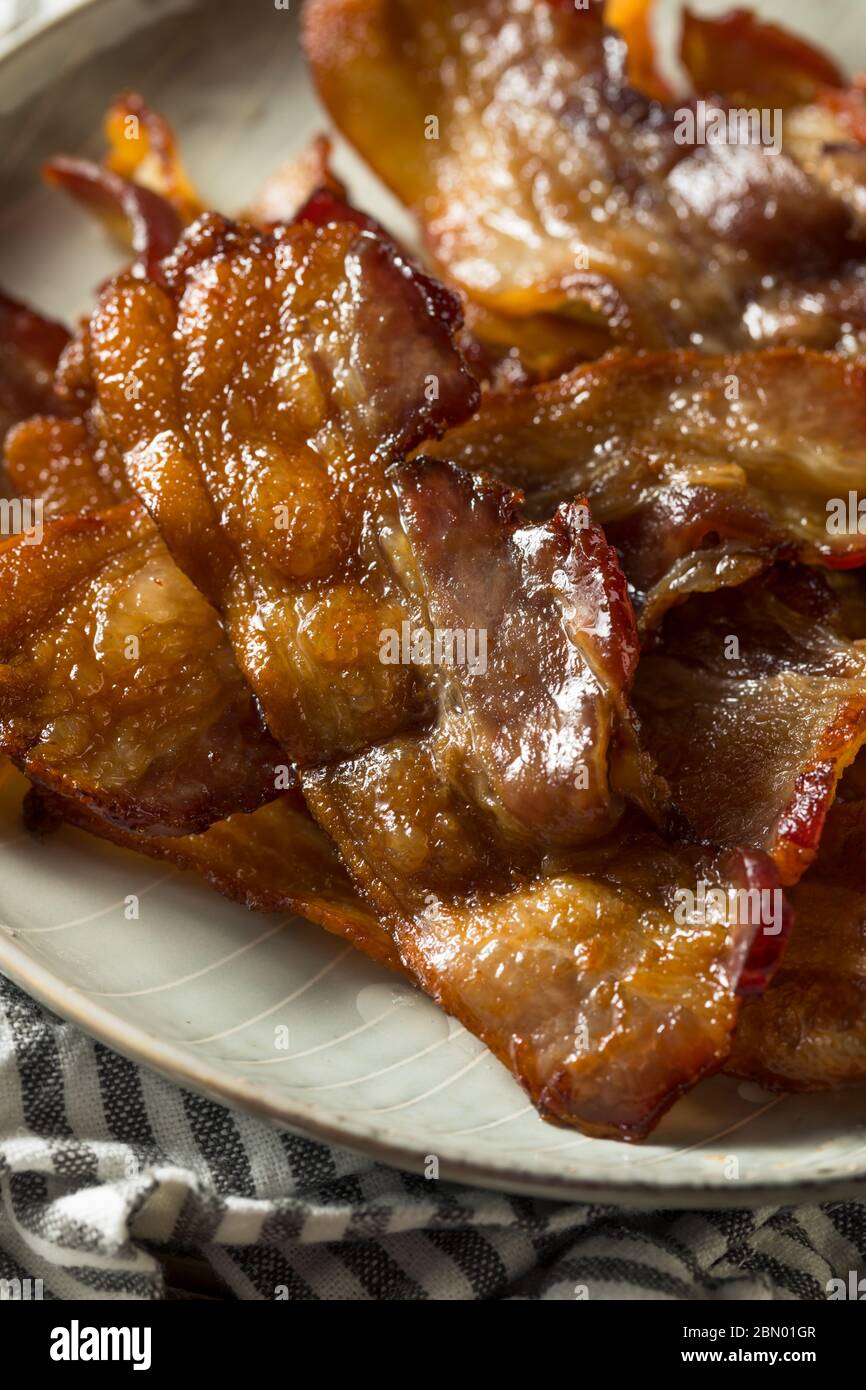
(621, 435)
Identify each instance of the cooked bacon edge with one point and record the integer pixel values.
(550, 184)
(749, 62)
(702, 470)
(808, 1032)
(248, 413)
(754, 705)
(117, 686)
(30, 346)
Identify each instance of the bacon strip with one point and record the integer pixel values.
(135, 215)
(488, 804)
(306, 361)
(143, 149)
(30, 346)
(754, 706)
(701, 469)
(581, 979)
(549, 184)
(752, 63)
(808, 1032)
(116, 684)
(467, 838)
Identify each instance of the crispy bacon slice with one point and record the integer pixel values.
(808, 1032)
(539, 731)
(752, 63)
(701, 469)
(275, 859)
(754, 705)
(468, 838)
(277, 384)
(140, 191)
(285, 192)
(30, 346)
(581, 979)
(117, 686)
(143, 149)
(135, 215)
(554, 186)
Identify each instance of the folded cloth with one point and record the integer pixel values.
(116, 1184)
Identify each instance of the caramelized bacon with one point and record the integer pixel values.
(65, 464)
(808, 1032)
(551, 185)
(135, 215)
(535, 727)
(580, 978)
(700, 469)
(468, 838)
(142, 148)
(753, 706)
(117, 686)
(30, 346)
(276, 386)
(140, 191)
(752, 63)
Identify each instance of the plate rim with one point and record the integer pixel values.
(174, 1062)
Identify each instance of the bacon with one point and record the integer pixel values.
(754, 705)
(116, 684)
(536, 723)
(30, 346)
(288, 189)
(304, 363)
(65, 464)
(808, 1032)
(632, 19)
(580, 978)
(143, 149)
(469, 838)
(552, 186)
(140, 191)
(752, 63)
(275, 859)
(163, 759)
(702, 470)
(135, 215)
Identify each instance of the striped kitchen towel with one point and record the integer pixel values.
(116, 1184)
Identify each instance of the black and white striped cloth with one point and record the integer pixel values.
(115, 1184)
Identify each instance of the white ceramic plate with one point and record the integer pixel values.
(199, 988)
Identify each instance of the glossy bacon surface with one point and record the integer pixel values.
(808, 1032)
(701, 469)
(550, 184)
(581, 978)
(468, 838)
(277, 384)
(30, 346)
(116, 683)
(754, 705)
